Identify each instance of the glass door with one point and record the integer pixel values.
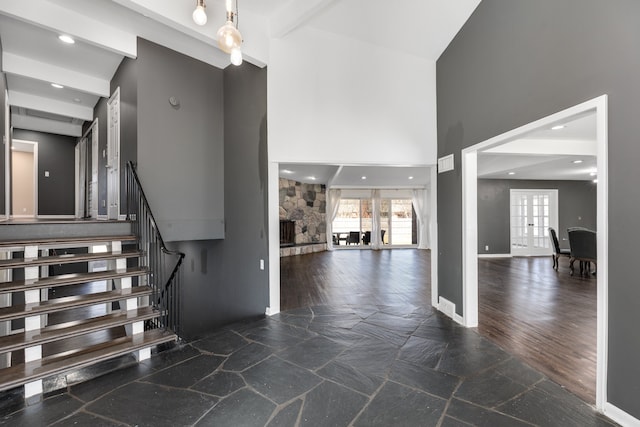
(532, 213)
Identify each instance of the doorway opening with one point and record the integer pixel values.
(87, 156)
(24, 179)
(597, 106)
(335, 187)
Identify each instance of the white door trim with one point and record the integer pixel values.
(470, 226)
(7, 153)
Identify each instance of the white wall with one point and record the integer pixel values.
(337, 100)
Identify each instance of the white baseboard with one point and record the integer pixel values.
(495, 256)
(270, 312)
(57, 216)
(620, 416)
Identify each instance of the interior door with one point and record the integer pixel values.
(113, 156)
(532, 212)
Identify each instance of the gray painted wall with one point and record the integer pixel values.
(576, 208)
(180, 149)
(201, 164)
(515, 61)
(223, 282)
(56, 154)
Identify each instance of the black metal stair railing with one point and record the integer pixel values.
(163, 263)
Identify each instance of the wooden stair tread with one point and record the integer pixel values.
(21, 374)
(66, 241)
(67, 259)
(72, 329)
(70, 279)
(58, 304)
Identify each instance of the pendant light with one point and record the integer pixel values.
(199, 14)
(229, 38)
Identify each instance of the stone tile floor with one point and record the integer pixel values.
(319, 366)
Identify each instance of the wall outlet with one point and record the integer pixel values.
(261, 264)
(486, 248)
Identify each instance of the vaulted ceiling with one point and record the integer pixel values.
(105, 32)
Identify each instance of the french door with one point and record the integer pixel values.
(532, 212)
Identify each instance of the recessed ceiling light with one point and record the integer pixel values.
(287, 171)
(558, 127)
(77, 100)
(364, 177)
(595, 181)
(511, 173)
(577, 162)
(66, 39)
(593, 173)
(57, 86)
(312, 178)
(410, 177)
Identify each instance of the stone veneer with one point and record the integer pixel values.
(306, 204)
(304, 249)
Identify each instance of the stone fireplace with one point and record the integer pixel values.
(304, 204)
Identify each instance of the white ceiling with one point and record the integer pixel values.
(105, 32)
(352, 176)
(545, 154)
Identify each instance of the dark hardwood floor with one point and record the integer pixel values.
(398, 276)
(546, 318)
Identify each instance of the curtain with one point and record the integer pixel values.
(376, 241)
(421, 207)
(333, 203)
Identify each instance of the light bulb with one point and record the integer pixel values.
(229, 37)
(236, 56)
(199, 15)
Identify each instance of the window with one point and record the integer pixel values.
(397, 222)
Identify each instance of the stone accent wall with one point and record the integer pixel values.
(306, 204)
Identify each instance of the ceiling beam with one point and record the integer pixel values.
(48, 105)
(566, 147)
(44, 125)
(295, 14)
(65, 20)
(27, 67)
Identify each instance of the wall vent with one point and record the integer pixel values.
(446, 306)
(445, 163)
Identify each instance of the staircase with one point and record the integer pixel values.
(75, 293)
